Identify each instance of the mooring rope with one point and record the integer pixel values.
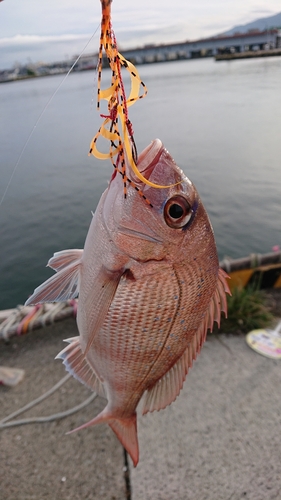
(24, 319)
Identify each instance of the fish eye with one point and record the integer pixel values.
(177, 212)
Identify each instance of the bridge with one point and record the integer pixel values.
(253, 40)
(239, 43)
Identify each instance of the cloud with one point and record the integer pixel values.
(26, 48)
(263, 11)
(31, 40)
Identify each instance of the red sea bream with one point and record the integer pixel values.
(149, 287)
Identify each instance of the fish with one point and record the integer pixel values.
(149, 287)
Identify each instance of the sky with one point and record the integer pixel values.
(54, 30)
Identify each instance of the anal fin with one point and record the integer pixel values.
(75, 362)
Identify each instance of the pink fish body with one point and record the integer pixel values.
(149, 287)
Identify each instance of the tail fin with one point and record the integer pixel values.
(125, 429)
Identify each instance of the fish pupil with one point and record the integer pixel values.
(176, 211)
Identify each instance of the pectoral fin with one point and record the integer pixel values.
(65, 284)
(98, 301)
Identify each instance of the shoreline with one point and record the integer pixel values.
(217, 58)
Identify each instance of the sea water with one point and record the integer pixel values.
(221, 121)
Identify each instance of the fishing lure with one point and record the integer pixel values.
(117, 128)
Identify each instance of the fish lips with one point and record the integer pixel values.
(148, 159)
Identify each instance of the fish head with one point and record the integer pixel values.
(157, 222)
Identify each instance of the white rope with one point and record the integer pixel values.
(37, 400)
(7, 422)
(49, 418)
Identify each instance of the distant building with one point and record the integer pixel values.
(86, 62)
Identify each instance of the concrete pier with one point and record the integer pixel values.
(220, 440)
(248, 54)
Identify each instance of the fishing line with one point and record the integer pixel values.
(42, 113)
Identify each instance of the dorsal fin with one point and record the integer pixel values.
(166, 389)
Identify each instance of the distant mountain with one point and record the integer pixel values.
(260, 24)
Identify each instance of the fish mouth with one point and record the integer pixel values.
(148, 159)
(149, 154)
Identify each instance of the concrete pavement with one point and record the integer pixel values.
(220, 440)
(39, 461)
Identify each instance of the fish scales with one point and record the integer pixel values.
(143, 327)
(131, 329)
(149, 288)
